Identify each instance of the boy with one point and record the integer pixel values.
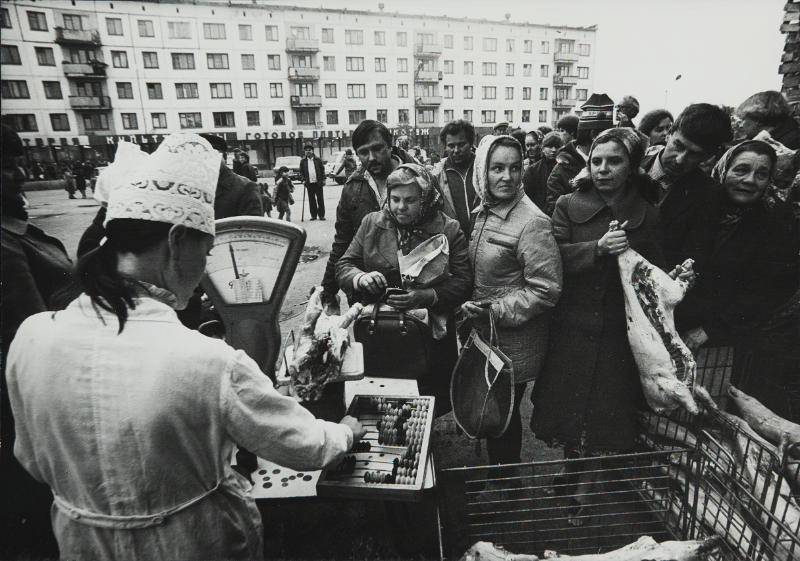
(283, 193)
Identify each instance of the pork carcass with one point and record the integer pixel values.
(666, 365)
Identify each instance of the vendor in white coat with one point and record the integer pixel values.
(130, 417)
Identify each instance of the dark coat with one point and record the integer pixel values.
(318, 167)
(236, 196)
(568, 164)
(589, 390)
(535, 182)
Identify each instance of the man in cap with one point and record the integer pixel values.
(455, 172)
(313, 173)
(236, 195)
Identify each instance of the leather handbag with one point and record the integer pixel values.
(396, 344)
(482, 386)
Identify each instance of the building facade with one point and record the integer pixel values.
(77, 77)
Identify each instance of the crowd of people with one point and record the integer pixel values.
(156, 408)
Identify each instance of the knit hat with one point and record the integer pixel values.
(175, 184)
(598, 113)
(127, 159)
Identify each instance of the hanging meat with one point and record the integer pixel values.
(666, 365)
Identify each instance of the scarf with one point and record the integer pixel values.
(430, 203)
(480, 170)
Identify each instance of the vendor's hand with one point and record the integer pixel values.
(413, 298)
(684, 274)
(480, 310)
(355, 425)
(613, 242)
(695, 338)
(373, 282)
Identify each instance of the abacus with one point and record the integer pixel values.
(390, 460)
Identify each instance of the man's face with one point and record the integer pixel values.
(531, 143)
(309, 153)
(458, 147)
(375, 155)
(681, 155)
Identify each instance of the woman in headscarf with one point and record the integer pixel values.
(130, 417)
(517, 271)
(747, 292)
(412, 215)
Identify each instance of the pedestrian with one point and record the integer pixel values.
(655, 125)
(627, 109)
(535, 178)
(283, 193)
(768, 111)
(568, 124)
(349, 164)
(235, 195)
(313, 173)
(80, 178)
(69, 179)
(533, 150)
(454, 174)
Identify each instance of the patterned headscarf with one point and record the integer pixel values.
(725, 162)
(430, 200)
(480, 170)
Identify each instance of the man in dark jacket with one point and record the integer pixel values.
(236, 195)
(313, 173)
(455, 172)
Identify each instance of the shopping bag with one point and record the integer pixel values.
(426, 264)
(482, 386)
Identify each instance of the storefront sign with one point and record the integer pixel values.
(279, 135)
(42, 142)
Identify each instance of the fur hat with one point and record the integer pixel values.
(598, 113)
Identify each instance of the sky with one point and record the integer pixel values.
(724, 50)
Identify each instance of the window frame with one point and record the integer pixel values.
(190, 120)
(158, 115)
(182, 88)
(132, 120)
(57, 128)
(225, 87)
(211, 31)
(148, 57)
(116, 23)
(142, 24)
(223, 58)
(217, 117)
(37, 19)
(187, 57)
(154, 90)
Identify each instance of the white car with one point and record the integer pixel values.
(291, 162)
(334, 162)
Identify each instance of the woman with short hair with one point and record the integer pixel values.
(655, 125)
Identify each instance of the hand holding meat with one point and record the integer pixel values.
(614, 241)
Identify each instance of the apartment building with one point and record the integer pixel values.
(79, 76)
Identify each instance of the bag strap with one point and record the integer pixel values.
(401, 317)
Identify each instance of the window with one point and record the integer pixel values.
(5, 18)
(380, 38)
(489, 44)
(527, 70)
(271, 32)
(179, 30)
(114, 26)
(489, 92)
(38, 22)
(448, 115)
(45, 57)
(73, 22)
(425, 39)
(402, 90)
(468, 43)
(469, 68)
(52, 90)
(154, 90)
(448, 92)
(96, 122)
(221, 90)
(303, 89)
(545, 48)
(278, 118)
(544, 71)
(354, 63)
(75, 55)
(402, 65)
(248, 62)
(327, 35)
(18, 89)
(380, 90)
(468, 92)
(275, 89)
(509, 94)
(129, 121)
(509, 69)
(509, 46)
(449, 65)
(356, 91)
(380, 64)
(543, 93)
(353, 37)
(59, 121)
(119, 59)
(583, 72)
(217, 61)
(583, 49)
(223, 119)
(329, 63)
(332, 117)
(146, 30)
(9, 54)
(402, 40)
(253, 118)
(182, 61)
(25, 122)
(489, 68)
(382, 115)
(562, 93)
(306, 117)
(565, 46)
(330, 91)
(425, 116)
(526, 115)
(402, 116)
(448, 41)
(158, 120)
(150, 59)
(468, 115)
(274, 62)
(300, 32)
(250, 90)
(245, 32)
(356, 116)
(186, 90)
(190, 120)
(580, 94)
(543, 116)
(124, 90)
(527, 46)
(488, 116)
(214, 30)
(88, 89)
(526, 94)
(508, 115)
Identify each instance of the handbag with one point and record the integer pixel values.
(482, 386)
(395, 344)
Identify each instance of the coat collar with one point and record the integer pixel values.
(586, 203)
(502, 209)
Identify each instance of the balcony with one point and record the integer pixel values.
(94, 68)
(565, 80)
(428, 76)
(561, 56)
(304, 73)
(77, 36)
(317, 125)
(305, 100)
(429, 100)
(302, 45)
(564, 103)
(427, 49)
(90, 102)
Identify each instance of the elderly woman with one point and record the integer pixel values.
(517, 271)
(768, 111)
(142, 414)
(655, 125)
(747, 292)
(535, 178)
(370, 265)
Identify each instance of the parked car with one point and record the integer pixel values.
(333, 162)
(291, 162)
